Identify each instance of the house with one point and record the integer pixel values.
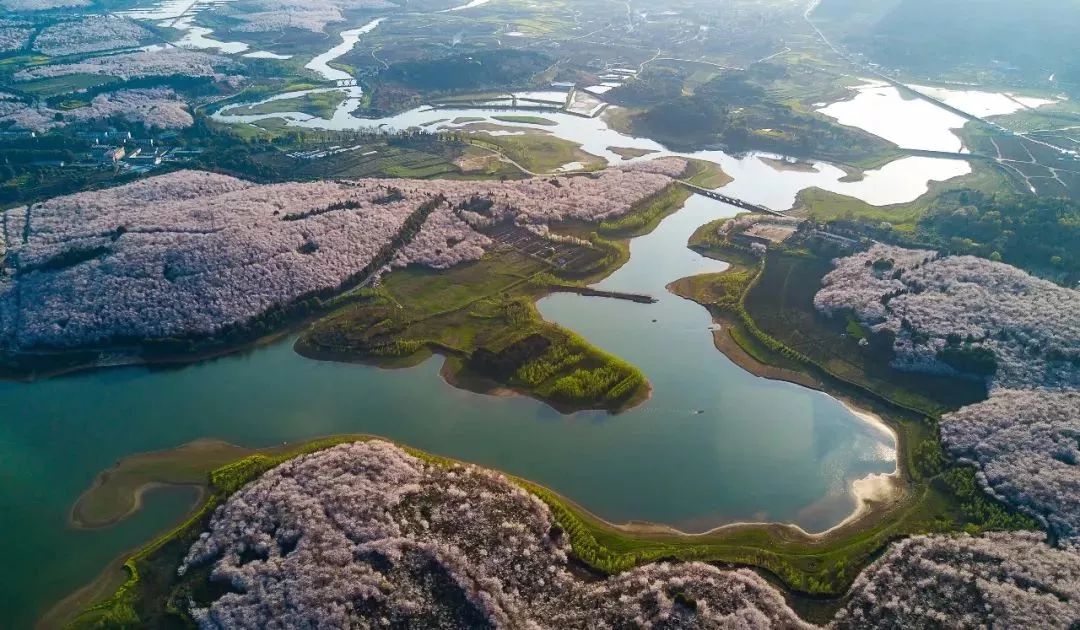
(107, 154)
(150, 159)
(842, 242)
(145, 145)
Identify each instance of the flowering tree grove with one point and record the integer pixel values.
(1025, 445)
(88, 34)
(190, 254)
(997, 580)
(952, 312)
(165, 62)
(364, 534)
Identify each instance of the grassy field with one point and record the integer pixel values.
(823, 206)
(380, 159)
(539, 153)
(482, 316)
(528, 120)
(780, 302)
(706, 174)
(67, 84)
(629, 153)
(319, 105)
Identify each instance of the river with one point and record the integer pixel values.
(713, 445)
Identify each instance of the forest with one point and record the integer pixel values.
(1040, 235)
(473, 71)
(1035, 233)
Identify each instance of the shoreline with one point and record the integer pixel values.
(77, 523)
(873, 507)
(461, 379)
(103, 586)
(872, 493)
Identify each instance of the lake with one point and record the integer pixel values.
(713, 445)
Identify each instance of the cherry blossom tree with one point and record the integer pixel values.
(191, 254)
(1026, 445)
(364, 534)
(41, 5)
(310, 15)
(998, 580)
(165, 62)
(157, 107)
(88, 34)
(14, 35)
(942, 307)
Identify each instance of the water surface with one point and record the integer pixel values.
(714, 444)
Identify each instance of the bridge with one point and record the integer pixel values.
(731, 201)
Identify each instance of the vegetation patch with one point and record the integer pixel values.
(470, 71)
(527, 120)
(739, 110)
(482, 316)
(154, 593)
(319, 105)
(706, 174)
(628, 154)
(646, 214)
(901, 219)
(539, 152)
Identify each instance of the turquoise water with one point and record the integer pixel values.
(713, 445)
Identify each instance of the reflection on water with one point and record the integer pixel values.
(349, 38)
(713, 445)
(899, 181)
(914, 123)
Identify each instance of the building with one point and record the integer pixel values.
(106, 154)
(150, 159)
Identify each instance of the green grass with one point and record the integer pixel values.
(823, 206)
(319, 105)
(68, 84)
(629, 153)
(528, 120)
(646, 214)
(706, 174)
(539, 153)
(483, 315)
